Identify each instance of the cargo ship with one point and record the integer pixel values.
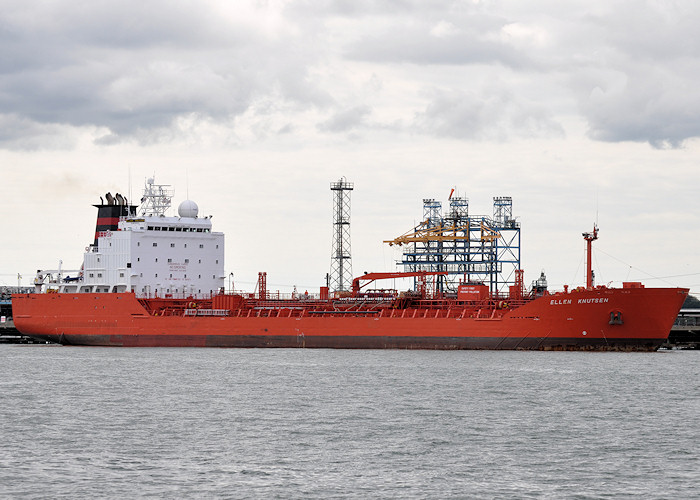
(153, 280)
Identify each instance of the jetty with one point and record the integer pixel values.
(685, 332)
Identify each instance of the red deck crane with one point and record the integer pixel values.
(370, 277)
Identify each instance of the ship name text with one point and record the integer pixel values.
(559, 302)
(593, 300)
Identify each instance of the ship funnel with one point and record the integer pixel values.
(108, 217)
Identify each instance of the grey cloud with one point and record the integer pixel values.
(406, 33)
(652, 31)
(653, 44)
(22, 134)
(642, 84)
(136, 69)
(345, 120)
(491, 115)
(664, 112)
(128, 24)
(286, 129)
(416, 45)
(325, 9)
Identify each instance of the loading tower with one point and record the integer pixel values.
(340, 278)
(468, 248)
(507, 247)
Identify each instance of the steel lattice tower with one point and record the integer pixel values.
(340, 278)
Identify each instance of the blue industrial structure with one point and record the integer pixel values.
(471, 249)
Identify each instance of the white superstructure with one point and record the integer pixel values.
(150, 254)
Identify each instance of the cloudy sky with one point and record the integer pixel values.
(582, 111)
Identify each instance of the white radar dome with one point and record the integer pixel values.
(188, 208)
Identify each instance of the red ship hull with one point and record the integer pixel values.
(628, 319)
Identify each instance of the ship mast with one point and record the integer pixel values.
(156, 198)
(590, 238)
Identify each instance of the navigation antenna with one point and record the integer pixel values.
(156, 198)
(341, 259)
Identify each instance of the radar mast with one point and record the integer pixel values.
(156, 198)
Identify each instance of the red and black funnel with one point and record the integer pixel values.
(108, 215)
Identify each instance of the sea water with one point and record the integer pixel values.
(88, 422)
